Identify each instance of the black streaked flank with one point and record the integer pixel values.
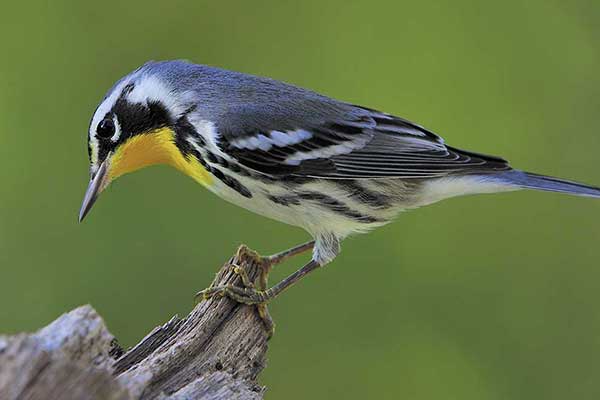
(323, 200)
(210, 156)
(367, 197)
(231, 182)
(285, 200)
(217, 173)
(238, 169)
(337, 206)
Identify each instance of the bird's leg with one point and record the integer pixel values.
(268, 262)
(252, 296)
(252, 292)
(278, 258)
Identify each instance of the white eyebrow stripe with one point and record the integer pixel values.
(275, 138)
(150, 88)
(107, 105)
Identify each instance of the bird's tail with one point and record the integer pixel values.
(528, 180)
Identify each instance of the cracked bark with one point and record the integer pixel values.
(215, 353)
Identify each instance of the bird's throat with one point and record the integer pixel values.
(156, 147)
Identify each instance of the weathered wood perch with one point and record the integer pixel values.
(216, 352)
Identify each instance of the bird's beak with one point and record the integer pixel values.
(98, 183)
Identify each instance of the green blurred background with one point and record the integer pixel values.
(488, 297)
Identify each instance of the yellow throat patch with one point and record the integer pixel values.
(156, 147)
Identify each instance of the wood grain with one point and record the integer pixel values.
(215, 353)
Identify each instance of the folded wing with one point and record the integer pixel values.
(363, 144)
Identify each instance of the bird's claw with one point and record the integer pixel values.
(264, 263)
(244, 295)
(248, 293)
(256, 293)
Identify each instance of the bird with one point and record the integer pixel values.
(330, 167)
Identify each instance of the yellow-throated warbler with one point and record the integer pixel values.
(287, 153)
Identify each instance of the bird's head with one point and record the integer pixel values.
(140, 122)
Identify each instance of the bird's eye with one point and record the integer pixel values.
(106, 128)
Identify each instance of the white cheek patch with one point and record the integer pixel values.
(274, 138)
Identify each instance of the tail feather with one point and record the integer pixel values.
(528, 180)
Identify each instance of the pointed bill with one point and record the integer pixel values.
(97, 184)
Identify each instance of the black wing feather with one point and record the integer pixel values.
(372, 145)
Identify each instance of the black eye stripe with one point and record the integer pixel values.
(136, 118)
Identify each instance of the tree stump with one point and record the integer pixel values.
(215, 353)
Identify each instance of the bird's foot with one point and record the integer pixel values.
(250, 293)
(245, 295)
(244, 253)
(256, 293)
